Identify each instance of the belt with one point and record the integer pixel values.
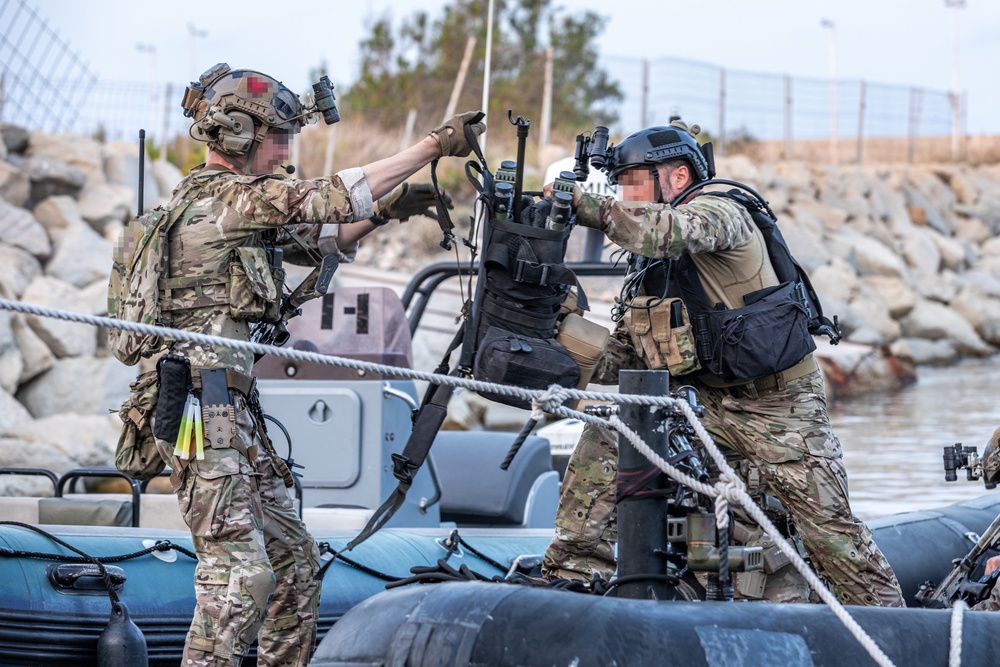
(234, 380)
(772, 383)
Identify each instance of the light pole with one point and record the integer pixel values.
(955, 94)
(827, 23)
(193, 34)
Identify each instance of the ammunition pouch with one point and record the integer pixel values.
(255, 286)
(136, 455)
(770, 334)
(661, 333)
(174, 382)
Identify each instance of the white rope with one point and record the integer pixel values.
(728, 490)
(955, 645)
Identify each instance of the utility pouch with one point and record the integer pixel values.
(174, 381)
(254, 286)
(505, 357)
(662, 335)
(136, 454)
(769, 335)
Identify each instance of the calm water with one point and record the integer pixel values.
(893, 442)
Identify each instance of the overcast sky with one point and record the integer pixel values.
(903, 42)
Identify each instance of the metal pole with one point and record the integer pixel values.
(722, 112)
(543, 137)
(916, 102)
(788, 118)
(827, 23)
(642, 521)
(411, 121)
(861, 121)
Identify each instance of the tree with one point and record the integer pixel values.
(415, 66)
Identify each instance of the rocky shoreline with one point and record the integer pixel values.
(907, 256)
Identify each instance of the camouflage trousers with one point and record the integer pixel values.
(257, 564)
(787, 435)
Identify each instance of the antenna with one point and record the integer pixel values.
(142, 168)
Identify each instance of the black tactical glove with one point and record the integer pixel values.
(450, 135)
(409, 199)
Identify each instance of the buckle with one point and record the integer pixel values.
(402, 469)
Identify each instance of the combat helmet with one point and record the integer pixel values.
(658, 144)
(233, 110)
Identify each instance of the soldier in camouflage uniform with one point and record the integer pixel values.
(779, 423)
(257, 564)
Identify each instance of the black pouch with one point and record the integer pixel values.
(174, 379)
(504, 357)
(769, 335)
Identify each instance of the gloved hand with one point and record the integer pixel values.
(450, 135)
(410, 199)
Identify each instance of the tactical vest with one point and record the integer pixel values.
(755, 334)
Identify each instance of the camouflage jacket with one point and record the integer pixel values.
(230, 211)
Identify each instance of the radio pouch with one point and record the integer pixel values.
(174, 380)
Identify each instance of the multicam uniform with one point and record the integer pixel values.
(257, 563)
(780, 423)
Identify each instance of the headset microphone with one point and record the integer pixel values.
(289, 168)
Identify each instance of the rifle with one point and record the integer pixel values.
(314, 286)
(956, 584)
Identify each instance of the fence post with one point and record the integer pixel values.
(916, 101)
(543, 136)
(411, 120)
(722, 111)
(789, 146)
(861, 121)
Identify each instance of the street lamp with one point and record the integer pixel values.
(829, 24)
(955, 99)
(193, 34)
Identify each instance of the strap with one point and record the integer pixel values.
(235, 380)
(443, 217)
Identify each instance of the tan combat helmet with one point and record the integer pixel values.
(234, 109)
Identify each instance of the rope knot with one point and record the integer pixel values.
(548, 401)
(730, 490)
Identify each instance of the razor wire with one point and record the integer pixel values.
(728, 490)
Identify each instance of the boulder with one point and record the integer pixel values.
(65, 339)
(83, 154)
(850, 369)
(982, 281)
(936, 321)
(50, 177)
(81, 257)
(972, 229)
(17, 453)
(14, 185)
(920, 251)
(103, 204)
(86, 440)
(925, 208)
(874, 314)
(167, 177)
(36, 355)
(17, 269)
(936, 286)
(19, 228)
(121, 167)
(896, 295)
(835, 281)
(15, 139)
(869, 256)
(11, 362)
(953, 253)
(58, 214)
(923, 352)
(981, 311)
(12, 414)
(83, 385)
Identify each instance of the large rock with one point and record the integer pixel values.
(102, 205)
(981, 311)
(14, 185)
(981, 281)
(18, 268)
(19, 228)
(167, 177)
(86, 440)
(82, 256)
(83, 154)
(936, 286)
(875, 316)
(835, 281)
(65, 339)
(923, 352)
(850, 369)
(58, 214)
(50, 177)
(85, 385)
(921, 252)
(935, 321)
(121, 167)
(15, 139)
(954, 254)
(11, 362)
(17, 453)
(12, 414)
(36, 355)
(869, 256)
(899, 298)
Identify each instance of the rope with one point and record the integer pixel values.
(955, 645)
(729, 490)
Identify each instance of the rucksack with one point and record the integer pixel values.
(137, 264)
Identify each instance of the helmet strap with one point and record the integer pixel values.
(657, 190)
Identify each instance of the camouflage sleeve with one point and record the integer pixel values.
(272, 201)
(708, 224)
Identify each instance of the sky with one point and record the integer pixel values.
(902, 42)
